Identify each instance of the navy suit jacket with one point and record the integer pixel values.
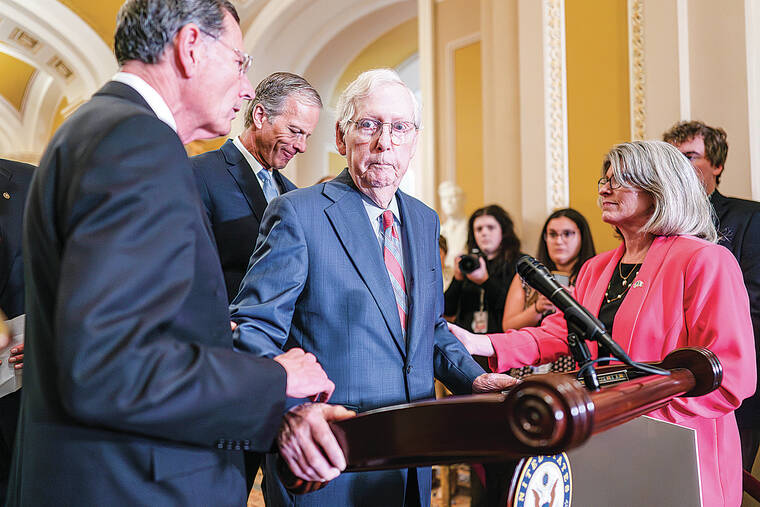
(234, 204)
(318, 281)
(14, 182)
(132, 391)
(739, 228)
(14, 185)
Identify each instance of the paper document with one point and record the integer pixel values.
(10, 378)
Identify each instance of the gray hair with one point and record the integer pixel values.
(362, 87)
(274, 90)
(680, 203)
(145, 27)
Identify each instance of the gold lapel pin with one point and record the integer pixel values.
(6, 195)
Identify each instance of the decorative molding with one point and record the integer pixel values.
(426, 182)
(450, 130)
(752, 19)
(555, 98)
(72, 61)
(636, 72)
(684, 69)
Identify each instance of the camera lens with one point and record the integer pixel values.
(468, 263)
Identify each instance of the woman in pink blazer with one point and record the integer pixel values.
(668, 285)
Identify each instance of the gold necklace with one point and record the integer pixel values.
(626, 277)
(625, 284)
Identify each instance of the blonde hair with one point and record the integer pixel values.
(680, 203)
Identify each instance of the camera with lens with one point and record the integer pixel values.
(470, 262)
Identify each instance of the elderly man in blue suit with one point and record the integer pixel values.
(349, 270)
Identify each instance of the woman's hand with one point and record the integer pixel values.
(543, 305)
(480, 275)
(476, 344)
(17, 356)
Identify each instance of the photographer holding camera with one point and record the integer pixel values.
(475, 298)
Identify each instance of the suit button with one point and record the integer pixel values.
(409, 369)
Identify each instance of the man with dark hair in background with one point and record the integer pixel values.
(14, 185)
(238, 180)
(132, 392)
(739, 229)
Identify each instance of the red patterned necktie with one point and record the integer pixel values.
(391, 255)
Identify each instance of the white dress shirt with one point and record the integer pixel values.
(255, 166)
(151, 96)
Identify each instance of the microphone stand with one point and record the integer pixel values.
(576, 340)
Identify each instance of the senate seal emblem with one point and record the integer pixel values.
(544, 481)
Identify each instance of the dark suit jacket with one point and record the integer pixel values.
(318, 281)
(14, 185)
(234, 204)
(132, 391)
(739, 226)
(14, 182)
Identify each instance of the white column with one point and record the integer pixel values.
(427, 140)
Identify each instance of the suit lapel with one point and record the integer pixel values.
(349, 219)
(241, 171)
(6, 175)
(123, 91)
(284, 184)
(412, 227)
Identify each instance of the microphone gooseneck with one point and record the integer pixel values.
(579, 319)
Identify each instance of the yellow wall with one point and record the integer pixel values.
(455, 20)
(389, 50)
(597, 100)
(337, 162)
(16, 77)
(99, 14)
(204, 145)
(59, 118)
(468, 108)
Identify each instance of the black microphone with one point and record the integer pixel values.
(591, 328)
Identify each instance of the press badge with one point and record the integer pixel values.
(480, 322)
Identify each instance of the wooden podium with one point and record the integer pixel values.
(545, 415)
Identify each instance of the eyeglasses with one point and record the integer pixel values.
(614, 184)
(400, 131)
(554, 235)
(245, 61)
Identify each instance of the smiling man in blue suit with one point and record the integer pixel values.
(237, 181)
(350, 271)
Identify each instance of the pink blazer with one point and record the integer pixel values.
(691, 293)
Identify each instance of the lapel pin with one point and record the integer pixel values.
(637, 283)
(6, 195)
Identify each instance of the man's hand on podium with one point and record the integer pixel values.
(493, 382)
(307, 443)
